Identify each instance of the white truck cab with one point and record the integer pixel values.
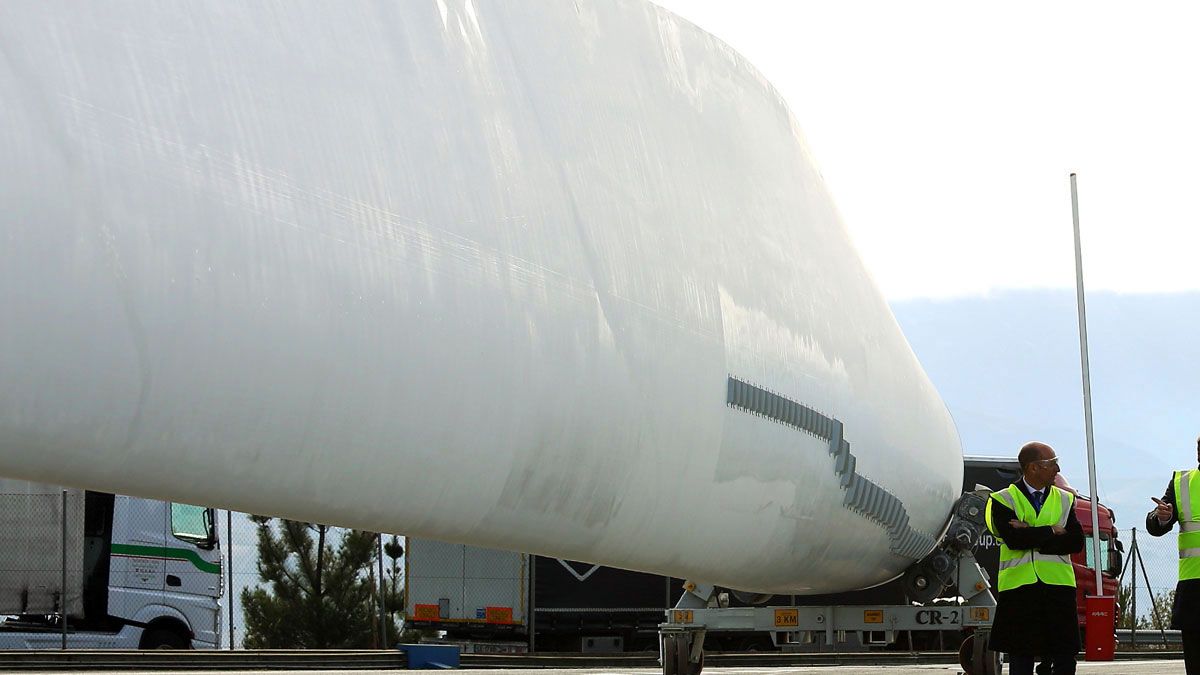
(141, 573)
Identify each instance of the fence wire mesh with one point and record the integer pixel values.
(1147, 582)
(92, 570)
(275, 598)
(243, 581)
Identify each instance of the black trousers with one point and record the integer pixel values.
(1061, 664)
(1191, 650)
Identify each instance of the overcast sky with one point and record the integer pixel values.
(946, 132)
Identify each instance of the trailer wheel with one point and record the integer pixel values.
(670, 653)
(683, 649)
(677, 649)
(975, 657)
(966, 654)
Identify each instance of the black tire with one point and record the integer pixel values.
(966, 654)
(162, 638)
(670, 648)
(984, 661)
(682, 650)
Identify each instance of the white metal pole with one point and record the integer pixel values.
(229, 568)
(62, 598)
(1087, 389)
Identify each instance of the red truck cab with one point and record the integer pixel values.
(1110, 547)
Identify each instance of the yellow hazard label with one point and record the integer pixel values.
(872, 616)
(681, 616)
(787, 618)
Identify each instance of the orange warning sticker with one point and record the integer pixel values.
(425, 612)
(497, 614)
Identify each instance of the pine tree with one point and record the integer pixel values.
(1125, 617)
(393, 588)
(1160, 609)
(322, 593)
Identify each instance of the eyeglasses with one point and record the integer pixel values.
(1047, 462)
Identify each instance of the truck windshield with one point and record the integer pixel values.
(192, 523)
(1089, 548)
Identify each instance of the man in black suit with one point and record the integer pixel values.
(1035, 522)
(1178, 505)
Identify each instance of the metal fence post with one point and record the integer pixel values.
(229, 565)
(63, 593)
(382, 595)
(531, 615)
(1133, 595)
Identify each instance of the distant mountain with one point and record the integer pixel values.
(1007, 365)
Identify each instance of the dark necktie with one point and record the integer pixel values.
(1037, 502)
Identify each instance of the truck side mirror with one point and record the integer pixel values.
(1116, 559)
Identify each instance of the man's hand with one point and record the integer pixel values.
(1164, 511)
(1020, 525)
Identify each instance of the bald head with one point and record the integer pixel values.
(1035, 450)
(1038, 464)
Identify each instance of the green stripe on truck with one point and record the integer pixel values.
(165, 552)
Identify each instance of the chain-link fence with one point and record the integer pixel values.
(81, 569)
(113, 565)
(304, 585)
(1147, 582)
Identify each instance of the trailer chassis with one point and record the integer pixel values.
(681, 636)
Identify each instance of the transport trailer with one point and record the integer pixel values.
(487, 601)
(476, 597)
(581, 607)
(950, 564)
(490, 601)
(593, 608)
(957, 572)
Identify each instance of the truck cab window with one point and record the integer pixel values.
(1089, 549)
(192, 524)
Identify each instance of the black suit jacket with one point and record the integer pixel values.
(1036, 619)
(1185, 614)
(1040, 538)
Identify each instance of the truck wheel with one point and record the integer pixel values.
(162, 638)
(670, 655)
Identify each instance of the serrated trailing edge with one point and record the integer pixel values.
(863, 496)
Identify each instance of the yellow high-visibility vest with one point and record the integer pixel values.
(1020, 567)
(1187, 505)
